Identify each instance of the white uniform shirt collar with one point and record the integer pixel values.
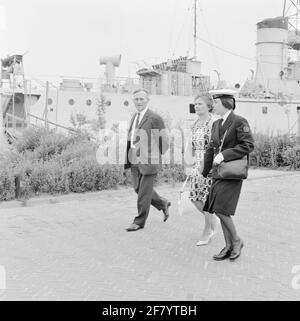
(225, 116)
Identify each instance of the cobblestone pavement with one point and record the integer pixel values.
(76, 248)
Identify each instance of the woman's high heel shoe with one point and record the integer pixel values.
(206, 241)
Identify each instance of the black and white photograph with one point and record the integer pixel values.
(149, 152)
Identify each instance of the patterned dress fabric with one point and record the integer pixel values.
(200, 186)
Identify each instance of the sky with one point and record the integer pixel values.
(67, 37)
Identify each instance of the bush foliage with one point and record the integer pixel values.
(53, 163)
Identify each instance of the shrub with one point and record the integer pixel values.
(274, 151)
(49, 162)
(77, 150)
(30, 139)
(7, 185)
(86, 174)
(171, 173)
(51, 145)
(48, 177)
(291, 157)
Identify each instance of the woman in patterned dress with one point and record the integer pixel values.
(200, 135)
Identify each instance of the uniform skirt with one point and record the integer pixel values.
(223, 196)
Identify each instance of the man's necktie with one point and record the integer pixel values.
(137, 120)
(135, 128)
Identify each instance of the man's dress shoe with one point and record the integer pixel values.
(224, 254)
(133, 227)
(237, 250)
(166, 211)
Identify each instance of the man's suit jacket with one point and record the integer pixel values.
(153, 142)
(237, 144)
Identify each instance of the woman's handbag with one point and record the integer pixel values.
(235, 169)
(183, 197)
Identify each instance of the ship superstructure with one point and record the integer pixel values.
(270, 99)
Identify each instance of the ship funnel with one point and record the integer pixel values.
(271, 50)
(110, 62)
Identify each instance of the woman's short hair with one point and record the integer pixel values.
(206, 97)
(228, 102)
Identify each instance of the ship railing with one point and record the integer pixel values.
(13, 121)
(14, 125)
(290, 132)
(87, 84)
(120, 85)
(42, 122)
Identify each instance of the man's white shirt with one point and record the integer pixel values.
(142, 114)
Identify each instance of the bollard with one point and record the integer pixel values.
(17, 187)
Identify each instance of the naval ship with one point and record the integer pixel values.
(269, 100)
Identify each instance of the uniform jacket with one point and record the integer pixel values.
(150, 147)
(237, 144)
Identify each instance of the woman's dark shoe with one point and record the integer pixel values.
(224, 254)
(237, 250)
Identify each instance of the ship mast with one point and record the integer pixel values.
(291, 11)
(195, 29)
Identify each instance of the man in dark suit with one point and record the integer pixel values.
(224, 193)
(147, 141)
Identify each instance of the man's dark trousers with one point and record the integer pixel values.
(143, 186)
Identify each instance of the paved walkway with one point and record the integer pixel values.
(75, 248)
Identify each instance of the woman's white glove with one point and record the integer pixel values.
(219, 159)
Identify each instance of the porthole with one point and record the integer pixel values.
(108, 103)
(71, 101)
(89, 102)
(126, 103)
(50, 101)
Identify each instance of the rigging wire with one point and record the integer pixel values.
(172, 28)
(225, 50)
(209, 38)
(235, 54)
(181, 30)
(188, 39)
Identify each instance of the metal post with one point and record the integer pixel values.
(299, 123)
(195, 29)
(13, 95)
(17, 186)
(284, 8)
(2, 135)
(46, 105)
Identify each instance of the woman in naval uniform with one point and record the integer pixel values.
(224, 193)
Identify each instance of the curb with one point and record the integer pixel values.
(273, 176)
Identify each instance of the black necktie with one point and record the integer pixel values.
(135, 128)
(137, 120)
